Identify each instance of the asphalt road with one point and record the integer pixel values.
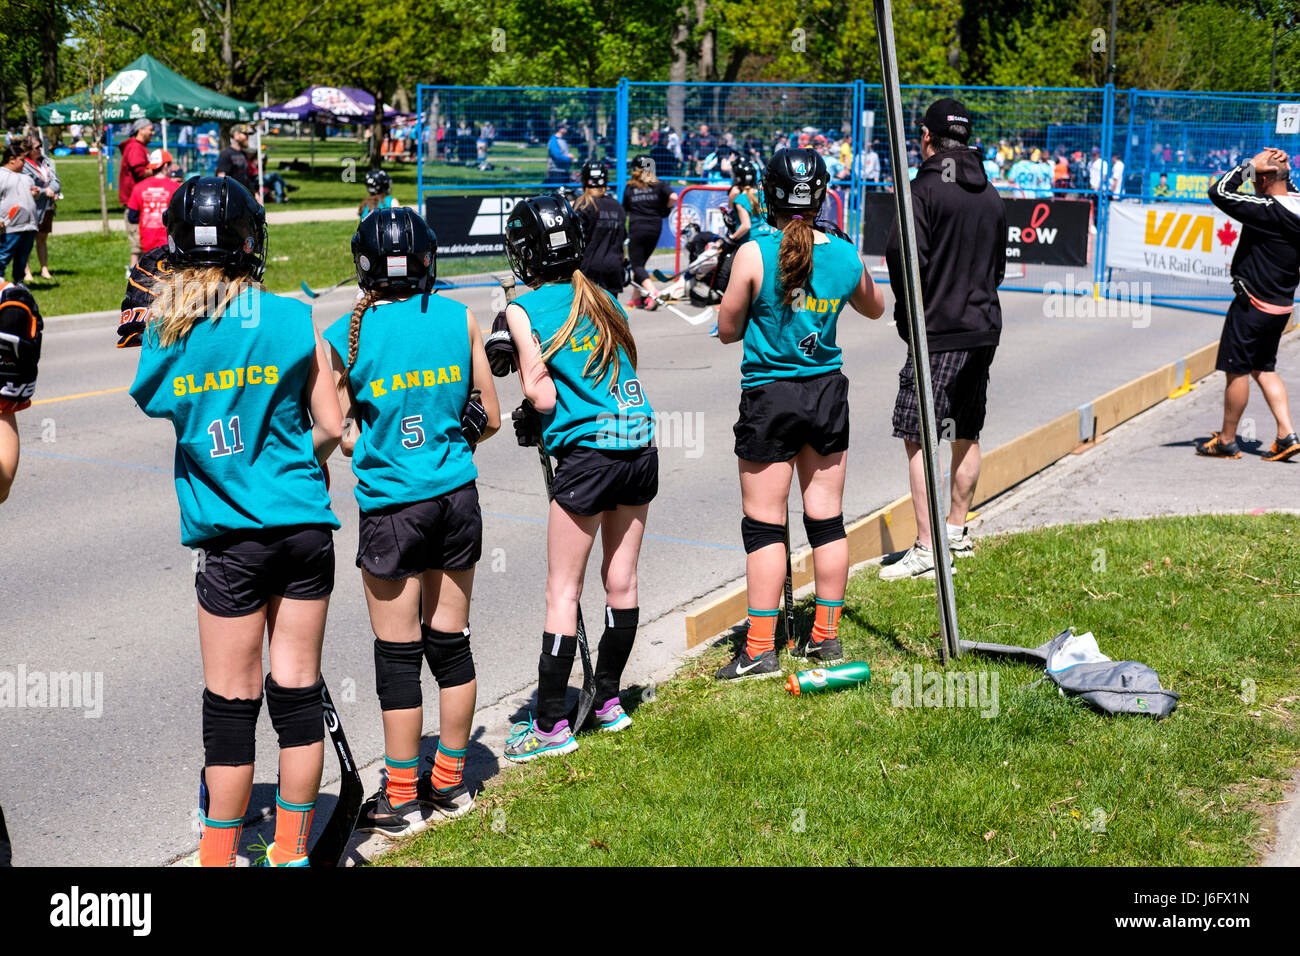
(94, 578)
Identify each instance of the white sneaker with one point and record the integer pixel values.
(961, 544)
(917, 563)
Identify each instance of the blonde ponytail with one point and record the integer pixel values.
(190, 296)
(597, 306)
(794, 259)
(354, 327)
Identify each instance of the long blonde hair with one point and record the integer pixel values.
(640, 178)
(596, 305)
(354, 326)
(192, 295)
(794, 257)
(589, 196)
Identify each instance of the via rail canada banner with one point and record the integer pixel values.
(1177, 240)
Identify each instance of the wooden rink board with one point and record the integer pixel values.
(893, 527)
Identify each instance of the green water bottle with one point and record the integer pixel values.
(828, 678)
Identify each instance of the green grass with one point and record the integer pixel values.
(89, 277)
(715, 774)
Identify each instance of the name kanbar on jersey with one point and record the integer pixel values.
(234, 393)
(610, 414)
(798, 340)
(410, 381)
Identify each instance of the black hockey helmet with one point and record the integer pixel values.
(595, 173)
(215, 221)
(795, 184)
(395, 252)
(645, 163)
(378, 181)
(744, 173)
(544, 240)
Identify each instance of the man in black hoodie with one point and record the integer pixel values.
(961, 234)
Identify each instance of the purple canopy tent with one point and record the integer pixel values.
(333, 104)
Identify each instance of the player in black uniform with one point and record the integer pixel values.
(20, 351)
(647, 201)
(1265, 271)
(603, 228)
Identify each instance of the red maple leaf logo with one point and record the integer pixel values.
(1227, 235)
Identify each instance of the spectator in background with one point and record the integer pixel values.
(870, 168)
(233, 160)
(1061, 172)
(559, 158)
(134, 168)
(149, 200)
(17, 211)
(1116, 182)
(41, 170)
(1096, 173)
(991, 164)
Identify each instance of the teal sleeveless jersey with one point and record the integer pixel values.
(235, 391)
(607, 414)
(410, 381)
(386, 203)
(782, 342)
(757, 224)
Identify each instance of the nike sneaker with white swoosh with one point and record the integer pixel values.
(744, 667)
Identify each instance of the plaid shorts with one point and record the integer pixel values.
(960, 381)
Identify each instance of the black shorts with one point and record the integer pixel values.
(442, 534)
(1250, 338)
(591, 480)
(240, 571)
(960, 380)
(779, 418)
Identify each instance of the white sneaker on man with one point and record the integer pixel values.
(918, 562)
(960, 543)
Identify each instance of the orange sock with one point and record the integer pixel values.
(292, 825)
(448, 767)
(761, 637)
(219, 841)
(401, 779)
(826, 624)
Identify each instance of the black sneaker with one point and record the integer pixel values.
(378, 815)
(1284, 448)
(1216, 447)
(450, 803)
(744, 667)
(825, 652)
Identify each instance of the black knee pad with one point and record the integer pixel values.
(449, 656)
(297, 713)
(397, 674)
(824, 530)
(229, 730)
(759, 534)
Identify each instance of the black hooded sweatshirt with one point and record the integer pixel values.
(961, 238)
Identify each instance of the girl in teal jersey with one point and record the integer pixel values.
(242, 377)
(746, 203)
(378, 183)
(784, 298)
(414, 382)
(577, 367)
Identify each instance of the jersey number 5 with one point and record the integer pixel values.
(412, 433)
(218, 432)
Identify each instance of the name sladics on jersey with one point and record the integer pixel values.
(226, 378)
(427, 378)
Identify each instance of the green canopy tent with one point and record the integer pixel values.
(146, 89)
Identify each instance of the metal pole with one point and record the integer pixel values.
(911, 293)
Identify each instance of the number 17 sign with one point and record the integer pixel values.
(1288, 118)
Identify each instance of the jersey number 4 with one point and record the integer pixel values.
(218, 432)
(808, 344)
(628, 395)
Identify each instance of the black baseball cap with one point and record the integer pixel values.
(948, 119)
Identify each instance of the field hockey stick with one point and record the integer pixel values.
(333, 840)
(789, 587)
(316, 294)
(586, 696)
(705, 316)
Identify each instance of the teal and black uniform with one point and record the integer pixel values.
(601, 432)
(235, 391)
(793, 393)
(757, 223)
(415, 470)
(388, 202)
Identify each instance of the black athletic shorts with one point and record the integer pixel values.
(591, 480)
(442, 534)
(779, 418)
(960, 380)
(240, 571)
(1250, 338)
